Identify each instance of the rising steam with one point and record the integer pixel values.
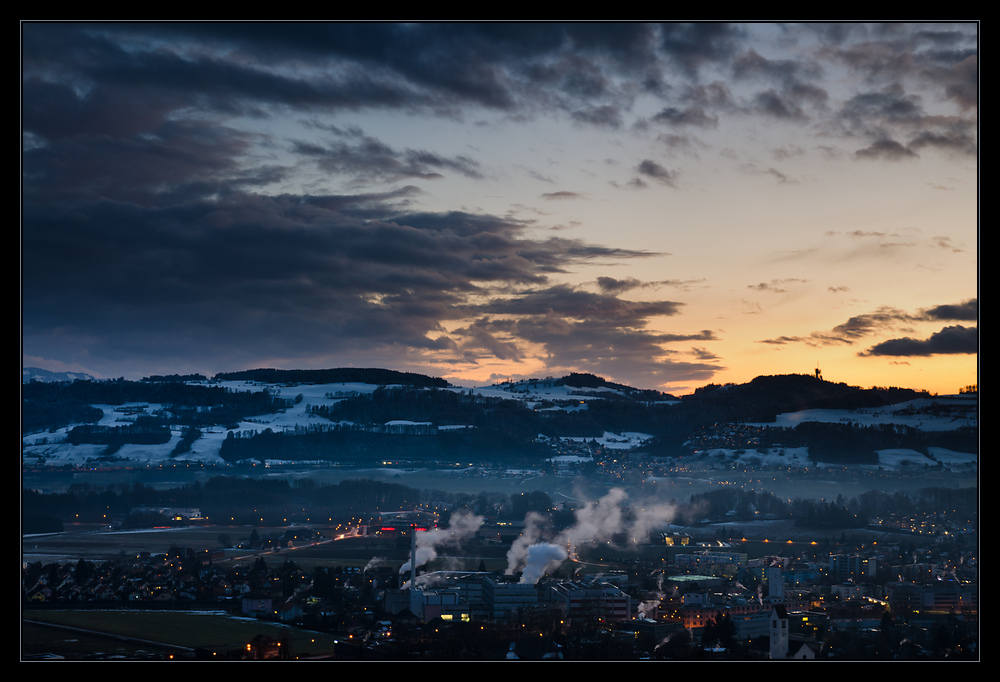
(461, 527)
(533, 555)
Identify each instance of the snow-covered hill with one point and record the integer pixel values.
(930, 414)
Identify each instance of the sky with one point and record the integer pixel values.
(663, 205)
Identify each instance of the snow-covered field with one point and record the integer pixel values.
(889, 460)
(938, 413)
(928, 414)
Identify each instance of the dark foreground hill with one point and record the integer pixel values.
(765, 397)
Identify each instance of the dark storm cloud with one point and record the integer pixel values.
(236, 66)
(287, 274)
(948, 341)
(592, 332)
(117, 76)
(695, 45)
(569, 302)
(366, 158)
(176, 160)
(480, 340)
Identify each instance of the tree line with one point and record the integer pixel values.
(52, 405)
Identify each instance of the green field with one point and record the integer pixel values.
(212, 631)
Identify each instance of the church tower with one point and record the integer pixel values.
(779, 632)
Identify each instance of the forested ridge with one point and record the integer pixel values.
(463, 424)
(50, 405)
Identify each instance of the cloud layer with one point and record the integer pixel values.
(212, 195)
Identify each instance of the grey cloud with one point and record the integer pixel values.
(966, 310)
(606, 116)
(891, 105)
(793, 84)
(751, 64)
(940, 55)
(782, 178)
(957, 140)
(703, 354)
(365, 157)
(777, 286)
(888, 150)
(697, 44)
(868, 323)
(652, 169)
(777, 105)
(612, 285)
(249, 67)
(688, 116)
(887, 319)
(891, 114)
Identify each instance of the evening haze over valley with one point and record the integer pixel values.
(665, 206)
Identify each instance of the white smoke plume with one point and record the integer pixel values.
(517, 555)
(541, 557)
(372, 563)
(461, 527)
(595, 521)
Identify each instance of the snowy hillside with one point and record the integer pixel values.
(929, 414)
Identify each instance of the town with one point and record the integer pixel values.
(900, 586)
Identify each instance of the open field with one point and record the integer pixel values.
(215, 632)
(43, 642)
(100, 543)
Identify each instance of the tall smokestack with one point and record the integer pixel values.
(416, 596)
(413, 555)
